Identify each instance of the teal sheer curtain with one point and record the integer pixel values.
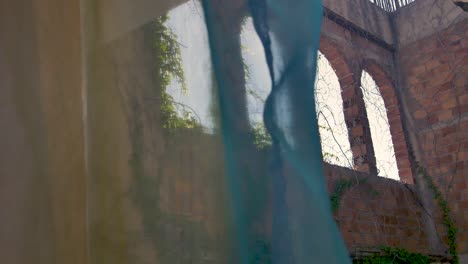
(302, 229)
(175, 181)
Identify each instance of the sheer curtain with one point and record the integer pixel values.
(166, 188)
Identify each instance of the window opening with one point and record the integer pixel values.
(379, 128)
(332, 126)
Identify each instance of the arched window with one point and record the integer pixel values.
(333, 132)
(379, 128)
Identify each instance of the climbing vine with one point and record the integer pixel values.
(341, 187)
(399, 255)
(146, 185)
(169, 67)
(394, 256)
(447, 219)
(261, 137)
(327, 156)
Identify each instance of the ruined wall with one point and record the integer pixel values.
(376, 211)
(364, 15)
(349, 53)
(184, 175)
(155, 195)
(55, 127)
(373, 213)
(429, 48)
(434, 74)
(422, 19)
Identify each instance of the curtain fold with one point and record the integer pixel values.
(165, 187)
(302, 230)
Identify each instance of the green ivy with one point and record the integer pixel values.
(327, 157)
(171, 118)
(168, 67)
(341, 187)
(145, 186)
(394, 256)
(447, 219)
(261, 137)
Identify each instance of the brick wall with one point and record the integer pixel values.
(349, 54)
(373, 213)
(377, 212)
(434, 71)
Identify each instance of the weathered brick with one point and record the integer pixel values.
(406, 178)
(419, 114)
(433, 63)
(420, 69)
(450, 103)
(352, 111)
(359, 150)
(445, 115)
(433, 78)
(463, 99)
(386, 90)
(348, 93)
(460, 165)
(432, 119)
(446, 131)
(446, 159)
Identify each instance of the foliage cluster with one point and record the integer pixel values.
(341, 187)
(326, 156)
(394, 256)
(262, 140)
(145, 188)
(169, 68)
(261, 137)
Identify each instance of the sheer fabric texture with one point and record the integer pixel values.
(178, 174)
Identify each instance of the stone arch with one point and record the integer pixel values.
(353, 106)
(387, 89)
